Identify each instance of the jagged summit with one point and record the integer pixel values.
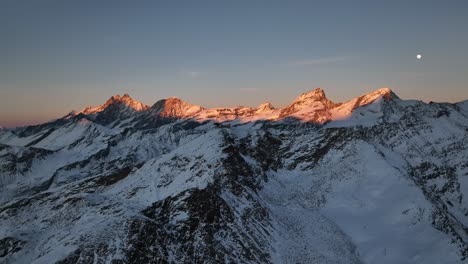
(125, 101)
(265, 107)
(387, 93)
(316, 94)
(311, 106)
(311, 97)
(344, 110)
(314, 100)
(314, 106)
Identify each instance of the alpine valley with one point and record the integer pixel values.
(376, 179)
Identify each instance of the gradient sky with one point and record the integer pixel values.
(63, 55)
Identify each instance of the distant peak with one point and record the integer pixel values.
(126, 100)
(266, 106)
(385, 92)
(315, 100)
(174, 107)
(168, 103)
(174, 99)
(345, 109)
(116, 100)
(388, 93)
(311, 105)
(316, 94)
(317, 90)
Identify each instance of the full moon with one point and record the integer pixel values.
(419, 56)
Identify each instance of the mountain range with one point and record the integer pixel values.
(376, 179)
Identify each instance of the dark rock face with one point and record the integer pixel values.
(9, 245)
(426, 175)
(202, 226)
(266, 151)
(202, 215)
(18, 162)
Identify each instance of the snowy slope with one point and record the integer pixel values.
(376, 179)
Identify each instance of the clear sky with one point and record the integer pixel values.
(62, 55)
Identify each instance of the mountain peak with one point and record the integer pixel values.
(125, 101)
(126, 98)
(265, 107)
(175, 100)
(345, 109)
(383, 90)
(174, 107)
(311, 106)
(316, 94)
(115, 97)
(385, 93)
(312, 101)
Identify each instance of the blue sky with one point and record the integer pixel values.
(63, 55)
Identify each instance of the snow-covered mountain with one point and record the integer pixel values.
(123, 103)
(376, 179)
(312, 106)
